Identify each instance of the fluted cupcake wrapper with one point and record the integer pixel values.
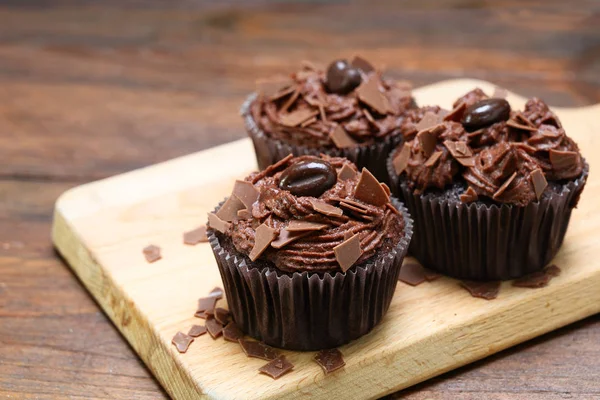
(308, 311)
(479, 241)
(269, 150)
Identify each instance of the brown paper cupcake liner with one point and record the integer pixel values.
(480, 241)
(269, 150)
(308, 311)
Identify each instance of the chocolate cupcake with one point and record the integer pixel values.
(309, 251)
(490, 189)
(350, 110)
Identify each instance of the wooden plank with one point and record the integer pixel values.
(101, 228)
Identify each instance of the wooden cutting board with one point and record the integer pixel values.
(101, 228)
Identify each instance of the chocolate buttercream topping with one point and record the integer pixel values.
(345, 106)
(303, 233)
(508, 161)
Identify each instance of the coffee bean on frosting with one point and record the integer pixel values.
(308, 178)
(485, 112)
(341, 77)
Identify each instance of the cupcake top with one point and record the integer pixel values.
(346, 105)
(503, 155)
(309, 213)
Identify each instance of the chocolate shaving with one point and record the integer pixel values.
(152, 253)
(217, 293)
(456, 113)
(322, 113)
(297, 117)
(553, 270)
(412, 274)
(326, 209)
(229, 210)
(516, 125)
(400, 162)
(291, 100)
(182, 341)
(461, 152)
(504, 186)
(369, 190)
(348, 235)
(520, 116)
(386, 189)
(429, 120)
(354, 206)
(431, 161)
(277, 367)
(346, 172)
(195, 236)
(330, 360)
(232, 333)
(244, 214)
(430, 275)
(258, 350)
(562, 159)
(197, 330)
(298, 225)
(215, 329)
(308, 122)
(368, 92)
(362, 64)
(246, 192)
(428, 140)
(286, 237)
(370, 118)
(217, 223)
(538, 279)
(222, 315)
(206, 303)
(340, 138)
(539, 182)
(262, 239)
(469, 195)
(275, 88)
(482, 290)
(348, 252)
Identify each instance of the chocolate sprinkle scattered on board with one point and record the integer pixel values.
(412, 274)
(152, 253)
(348, 252)
(258, 350)
(330, 360)
(277, 367)
(232, 333)
(215, 329)
(195, 236)
(182, 341)
(538, 279)
(197, 330)
(369, 190)
(430, 275)
(482, 290)
(206, 303)
(217, 293)
(222, 316)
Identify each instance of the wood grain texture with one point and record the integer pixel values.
(92, 89)
(101, 227)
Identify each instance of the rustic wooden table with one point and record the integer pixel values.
(93, 89)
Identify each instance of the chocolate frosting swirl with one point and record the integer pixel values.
(379, 227)
(307, 92)
(505, 154)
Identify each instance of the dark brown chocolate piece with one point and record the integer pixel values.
(286, 237)
(246, 192)
(258, 350)
(296, 225)
(538, 279)
(330, 360)
(469, 195)
(206, 303)
(232, 333)
(217, 293)
(217, 223)
(362, 64)
(326, 209)
(401, 160)
(368, 93)
(215, 329)
(195, 236)
(263, 238)
(539, 182)
(485, 112)
(482, 290)
(308, 178)
(369, 190)
(562, 159)
(341, 77)
(229, 210)
(430, 275)
(222, 316)
(297, 117)
(341, 139)
(182, 341)
(348, 252)
(412, 274)
(197, 330)
(346, 172)
(277, 367)
(152, 253)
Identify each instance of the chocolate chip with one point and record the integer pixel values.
(195, 236)
(258, 350)
(197, 330)
(152, 253)
(341, 77)
(277, 367)
(215, 329)
(217, 223)
(346, 172)
(182, 341)
(341, 138)
(325, 209)
(348, 252)
(539, 182)
(362, 64)
(412, 274)
(263, 237)
(298, 225)
(562, 159)
(400, 161)
(369, 190)
(469, 196)
(430, 275)
(368, 92)
(330, 360)
(308, 178)
(222, 316)
(485, 112)
(482, 290)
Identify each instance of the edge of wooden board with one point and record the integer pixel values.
(464, 340)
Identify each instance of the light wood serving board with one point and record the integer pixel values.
(100, 228)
